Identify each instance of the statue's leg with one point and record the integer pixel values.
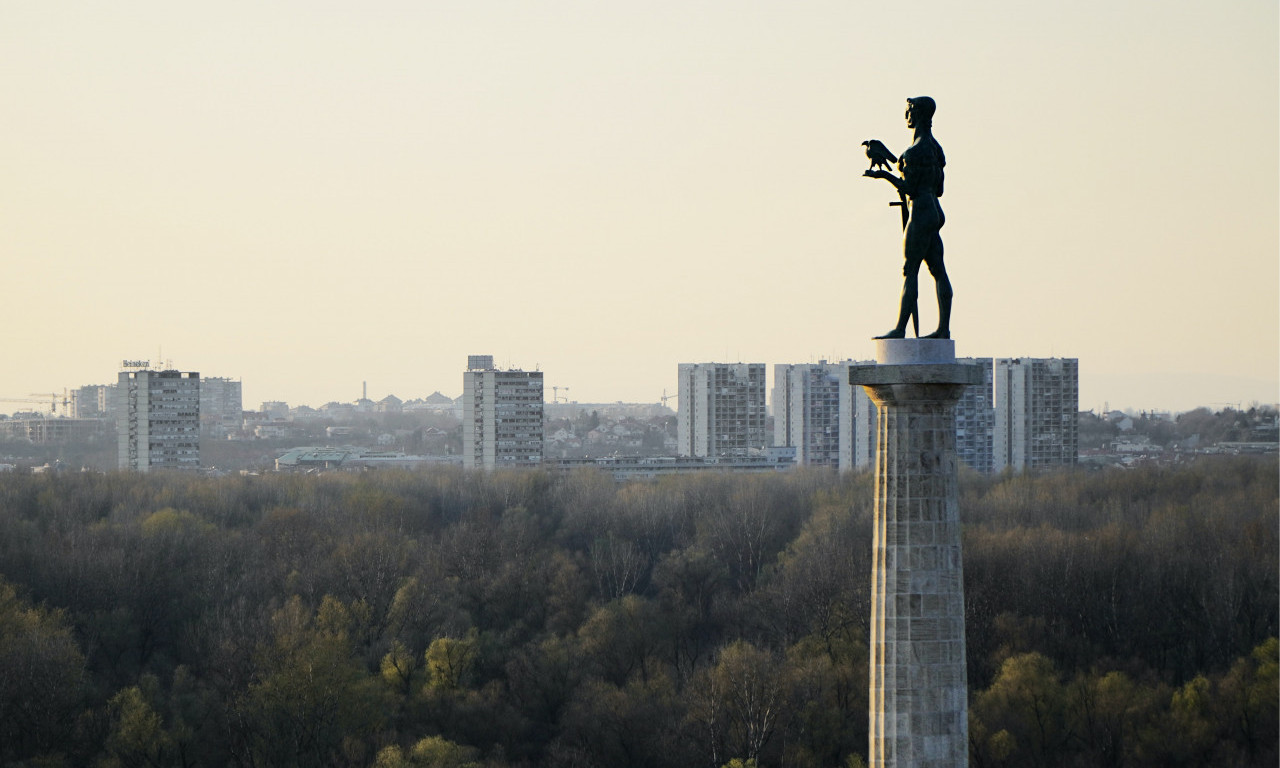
(916, 245)
(910, 295)
(907, 305)
(942, 284)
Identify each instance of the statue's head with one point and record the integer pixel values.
(920, 111)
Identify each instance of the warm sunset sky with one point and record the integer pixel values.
(307, 195)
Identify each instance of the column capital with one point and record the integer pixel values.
(915, 373)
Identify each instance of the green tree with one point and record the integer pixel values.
(138, 736)
(542, 678)
(431, 752)
(622, 638)
(1249, 699)
(399, 668)
(312, 701)
(692, 584)
(738, 703)
(449, 661)
(41, 673)
(617, 565)
(1028, 701)
(1192, 733)
(637, 725)
(1110, 715)
(436, 752)
(828, 672)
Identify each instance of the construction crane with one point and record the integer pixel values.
(555, 394)
(41, 398)
(666, 397)
(53, 400)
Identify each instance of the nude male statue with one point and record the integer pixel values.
(920, 186)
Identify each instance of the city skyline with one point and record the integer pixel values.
(63, 402)
(284, 194)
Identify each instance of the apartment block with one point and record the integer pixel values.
(221, 406)
(501, 416)
(975, 420)
(158, 420)
(1036, 407)
(96, 401)
(722, 409)
(817, 412)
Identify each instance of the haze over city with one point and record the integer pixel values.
(308, 196)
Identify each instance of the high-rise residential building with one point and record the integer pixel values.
(817, 411)
(975, 420)
(866, 423)
(221, 406)
(977, 441)
(158, 420)
(96, 401)
(501, 416)
(722, 409)
(1036, 407)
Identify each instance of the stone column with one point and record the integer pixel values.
(919, 692)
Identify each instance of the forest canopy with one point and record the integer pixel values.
(449, 618)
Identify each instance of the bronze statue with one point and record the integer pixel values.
(919, 188)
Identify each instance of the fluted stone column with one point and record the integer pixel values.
(919, 693)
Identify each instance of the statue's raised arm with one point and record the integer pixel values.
(919, 186)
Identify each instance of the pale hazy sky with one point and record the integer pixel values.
(307, 195)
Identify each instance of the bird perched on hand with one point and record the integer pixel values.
(878, 154)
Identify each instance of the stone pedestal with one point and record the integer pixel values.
(919, 693)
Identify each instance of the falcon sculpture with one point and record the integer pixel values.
(879, 154)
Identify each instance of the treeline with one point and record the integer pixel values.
(459, 619)
(1196, 428)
